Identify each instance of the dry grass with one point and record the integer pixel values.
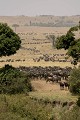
(38, 33)
(50, 91)
(33, 35)
(36, 37)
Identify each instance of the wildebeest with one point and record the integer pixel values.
(66, 85)
(61, 86)
(57, 78)
(49, 79)
(56, 73)
(53, 78)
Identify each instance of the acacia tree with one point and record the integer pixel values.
(15, 26)
(70, 43)
(52, 38)
(9, 41)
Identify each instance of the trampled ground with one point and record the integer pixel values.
(50, 91)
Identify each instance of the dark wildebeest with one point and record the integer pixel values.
(56, 78)
(49, 79)
(53, 78)
(66, 85)
(61, 86)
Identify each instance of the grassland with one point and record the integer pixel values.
(50, 91)
(47, 102)
(39, 104)
(34, 40)
(33, 46)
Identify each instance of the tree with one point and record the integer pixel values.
(79, 24)
(15, 26)
(70, 43)
(52, 38)
(78, 101)
(9, 41)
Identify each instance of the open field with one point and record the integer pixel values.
(34, 46)
(51, 91)
(35, 43)
(22, 107)
(46, 101)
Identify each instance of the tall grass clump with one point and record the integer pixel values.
(71, 114)
(21, 107)
(75, 81)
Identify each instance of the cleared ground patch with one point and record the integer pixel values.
(50, 91)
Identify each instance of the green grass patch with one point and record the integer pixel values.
(58, 96)
(22, 107)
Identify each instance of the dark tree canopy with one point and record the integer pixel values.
(9, 41)
(13, 81)
(69, 42)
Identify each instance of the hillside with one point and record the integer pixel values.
(43, 20)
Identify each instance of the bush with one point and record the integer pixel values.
(75, 81)
(78, 102)
(21, 107)
(73, 114)
(13, 81)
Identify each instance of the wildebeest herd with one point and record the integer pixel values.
(50, 74)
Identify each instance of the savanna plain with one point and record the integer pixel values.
(47, 101)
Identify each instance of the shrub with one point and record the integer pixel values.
(73, 114)
(75, 81)
(78, 102)
(13, 81)
(21, 107)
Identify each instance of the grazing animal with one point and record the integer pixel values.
(57, 78)
(53, 78)
(49, 79)
(61, 86)
(66, 85)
